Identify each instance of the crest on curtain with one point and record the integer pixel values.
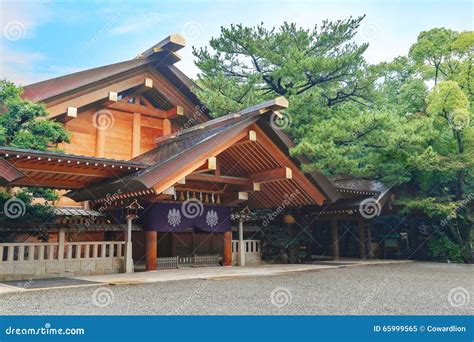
(174, 217)
(212, 219)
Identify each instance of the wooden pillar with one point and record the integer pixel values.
(242, 249)
(151, 250)
(361, 224)
(369, 240)
(128, 246)
(334, 239)
(166, 127)
(100, 143)
(136, 132)
(227, 249)
(61, 241)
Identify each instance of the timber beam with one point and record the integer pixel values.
(210, 165)
(176, 111)
(272, 175)
(234, 198)
(247, 188)
(145, 110)
(69, 114)
(219, 179)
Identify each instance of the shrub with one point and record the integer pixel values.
(443, 249)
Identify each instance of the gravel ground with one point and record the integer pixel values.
(398, 289)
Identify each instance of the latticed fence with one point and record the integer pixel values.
(168, 262)
(190, 261)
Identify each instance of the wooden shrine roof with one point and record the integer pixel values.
(159, 57)
(178, 155)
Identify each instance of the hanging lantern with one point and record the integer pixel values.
(288, 219)
(132, 209)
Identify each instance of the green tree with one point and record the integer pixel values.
(248, 64)
(434, 49)
(379, 121)
(24, 124)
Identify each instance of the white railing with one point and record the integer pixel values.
(251, 246)
(94, 250)
(26, 251)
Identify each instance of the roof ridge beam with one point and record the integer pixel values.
(172, 43)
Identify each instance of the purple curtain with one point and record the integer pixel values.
(176, 217)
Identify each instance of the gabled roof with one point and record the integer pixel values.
(178, 150)
(177, 155)
(159, 57)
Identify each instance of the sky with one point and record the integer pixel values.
(45, 39)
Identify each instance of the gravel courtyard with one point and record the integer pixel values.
(398, 289)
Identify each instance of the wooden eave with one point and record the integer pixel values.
(63, 171)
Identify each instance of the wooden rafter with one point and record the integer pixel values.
(282, 158)
(272, 175)
(220, 179)
(146, 110)
(95, 95)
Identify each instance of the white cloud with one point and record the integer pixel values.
(28, 14)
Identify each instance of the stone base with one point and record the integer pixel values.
(251, 259)
(25, 270)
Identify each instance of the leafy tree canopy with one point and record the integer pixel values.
(24, 124)
(384, 121)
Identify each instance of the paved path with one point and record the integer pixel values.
(407, 288)
(185, 273)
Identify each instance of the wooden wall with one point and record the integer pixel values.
(118, 137)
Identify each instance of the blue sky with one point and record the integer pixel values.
(45, 39)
